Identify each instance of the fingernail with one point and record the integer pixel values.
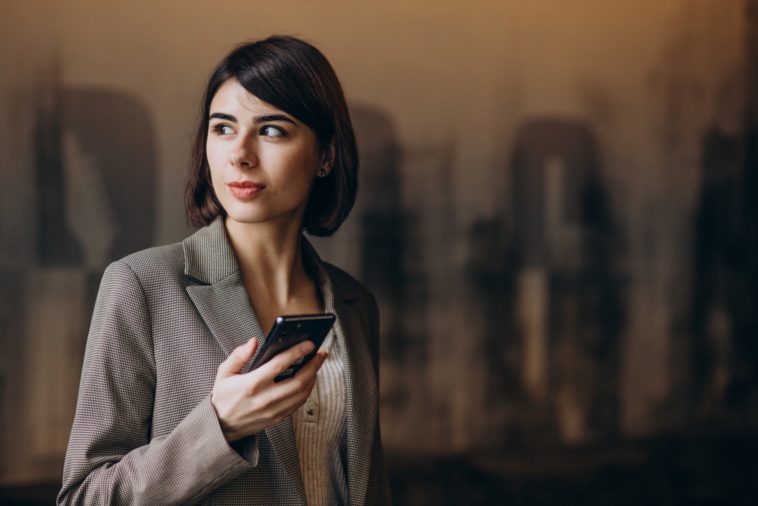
(306, 347)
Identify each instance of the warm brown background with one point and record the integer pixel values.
(555, 213)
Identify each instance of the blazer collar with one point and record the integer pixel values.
(208, 255)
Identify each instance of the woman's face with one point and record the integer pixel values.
(262, 160)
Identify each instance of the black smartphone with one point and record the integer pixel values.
(290, 330)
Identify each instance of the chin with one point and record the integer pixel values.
(246, 217)
(255, 216)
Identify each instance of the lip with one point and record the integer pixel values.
(245, 190)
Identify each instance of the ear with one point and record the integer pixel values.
(327, 159)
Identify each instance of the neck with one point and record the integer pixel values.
(270, 258)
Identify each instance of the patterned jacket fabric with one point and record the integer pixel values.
(145, 431)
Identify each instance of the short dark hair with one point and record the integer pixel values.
(294, 76)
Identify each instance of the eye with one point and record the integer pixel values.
(272, 131)
(222, 129)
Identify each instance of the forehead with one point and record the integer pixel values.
(231, 96)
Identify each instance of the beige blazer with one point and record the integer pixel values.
(145, 431)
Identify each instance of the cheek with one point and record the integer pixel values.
(211, 153)
(309, 161)
(215, 160)
(306, 175)
(299, 167)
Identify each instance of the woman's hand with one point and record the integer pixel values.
(248, 403)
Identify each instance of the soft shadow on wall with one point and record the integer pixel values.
(95, 175)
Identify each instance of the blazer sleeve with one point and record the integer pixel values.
(111, 457)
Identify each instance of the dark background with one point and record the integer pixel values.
(557, 214)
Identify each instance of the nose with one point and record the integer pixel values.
(243, 155)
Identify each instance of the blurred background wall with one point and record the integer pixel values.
(557, 211)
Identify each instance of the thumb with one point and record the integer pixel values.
(237, 359)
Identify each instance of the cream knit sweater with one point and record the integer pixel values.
(320, 432)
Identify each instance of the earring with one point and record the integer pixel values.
(322, 172)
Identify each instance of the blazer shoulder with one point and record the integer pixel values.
(156, 262)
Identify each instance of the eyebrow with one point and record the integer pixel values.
(258, 119)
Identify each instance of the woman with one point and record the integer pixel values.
(169, 411)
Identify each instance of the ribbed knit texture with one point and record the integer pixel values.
(320, 433)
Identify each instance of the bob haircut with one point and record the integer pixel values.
(293, 76)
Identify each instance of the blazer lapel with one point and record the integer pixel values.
(282, 437)
(222, 301)
(361, 393)
(352, 332)
(220, 298)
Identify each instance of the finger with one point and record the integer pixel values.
(283, 402)
(237, 359)
(314, 365)
(288, 395)
(282, 362)
(292, 402)
(303, 381)
(291, 393)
